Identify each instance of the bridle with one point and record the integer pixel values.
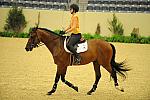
(39, 42)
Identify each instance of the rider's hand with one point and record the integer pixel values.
(62, 32)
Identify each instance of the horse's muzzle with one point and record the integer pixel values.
(27, 49)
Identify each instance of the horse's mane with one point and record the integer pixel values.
(49, 31)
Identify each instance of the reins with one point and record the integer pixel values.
(41, 44)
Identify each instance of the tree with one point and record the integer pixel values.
(116, 27)
(15, 21)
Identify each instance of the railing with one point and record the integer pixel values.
(92, 5)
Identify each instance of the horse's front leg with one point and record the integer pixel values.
(55, 84)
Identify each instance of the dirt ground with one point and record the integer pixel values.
(30, 75)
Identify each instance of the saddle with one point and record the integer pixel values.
(81, 46)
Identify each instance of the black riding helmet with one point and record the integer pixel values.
(74, 7)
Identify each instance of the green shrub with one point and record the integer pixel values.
(15, 21)
(145, 40)
(119, 38)
(108, 39)
(97, 36)
(115, 26)
(88, 36)
(23, 35)
(12, 34)
(127, 39)
(7, 34)
(134, 35)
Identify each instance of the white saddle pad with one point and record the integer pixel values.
(82, 47)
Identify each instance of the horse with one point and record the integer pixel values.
(100, 53)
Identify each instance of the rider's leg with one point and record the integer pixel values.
(75, 38)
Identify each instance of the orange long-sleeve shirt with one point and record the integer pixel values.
(75, 24)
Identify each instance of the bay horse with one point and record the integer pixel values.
(100, 52)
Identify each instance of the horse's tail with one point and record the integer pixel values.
(118, 67)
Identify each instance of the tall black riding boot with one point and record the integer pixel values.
(77, 58)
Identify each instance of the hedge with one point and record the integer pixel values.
(119, 38)
(113, 38)
(11, 34)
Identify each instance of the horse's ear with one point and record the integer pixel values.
(37, 24)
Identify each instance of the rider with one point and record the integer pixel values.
(75, 32)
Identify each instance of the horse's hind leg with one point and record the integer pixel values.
(97, 77)
(113, 74)
(68, 83)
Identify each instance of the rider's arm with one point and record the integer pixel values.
(67, 28)
(74, 24)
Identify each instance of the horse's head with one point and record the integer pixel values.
(33, 40)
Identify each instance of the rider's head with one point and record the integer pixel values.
(74, 8)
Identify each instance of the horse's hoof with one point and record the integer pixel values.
(89, 93)
(76, 88)
(49, 93)
(120, 88)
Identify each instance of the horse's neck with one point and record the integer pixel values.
(52, 42)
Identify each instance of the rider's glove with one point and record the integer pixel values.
(62, 32)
